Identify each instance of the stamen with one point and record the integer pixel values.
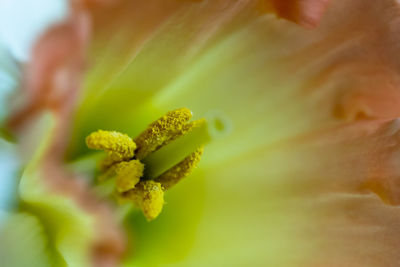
(171, 154)
(167, 128)
(167, 151)
(181, 170)
(149, 196)
(118, 146)
(128, 175)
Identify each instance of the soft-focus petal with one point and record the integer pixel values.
(9, 166)
(23, 241)
(81, 229)
(275, 74)
(53, 75)
(322, 199)
(305, 12)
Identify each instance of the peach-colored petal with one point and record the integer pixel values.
(355, 50)
(347, 181)
(346, 64)
(304, 12)
(53, 75)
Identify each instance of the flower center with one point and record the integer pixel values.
(141, 169)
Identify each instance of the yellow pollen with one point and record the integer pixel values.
(127, 159)
(167, 128)
(128, 175)
(118, 146)
(149, 196)
(181, 170)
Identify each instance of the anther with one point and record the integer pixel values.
(166, 152)
(181, 170)
(149, 196)
(167, 128)
(118, 146)
(128, 175)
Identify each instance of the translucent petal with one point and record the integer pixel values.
(307, 202)
(9, 166)
(23, 241)
(65, 207)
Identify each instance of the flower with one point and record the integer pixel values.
(308, 174)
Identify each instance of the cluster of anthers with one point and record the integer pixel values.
(144, 167)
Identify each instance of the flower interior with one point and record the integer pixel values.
(140, 170)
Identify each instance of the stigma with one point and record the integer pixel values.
(143, 168)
